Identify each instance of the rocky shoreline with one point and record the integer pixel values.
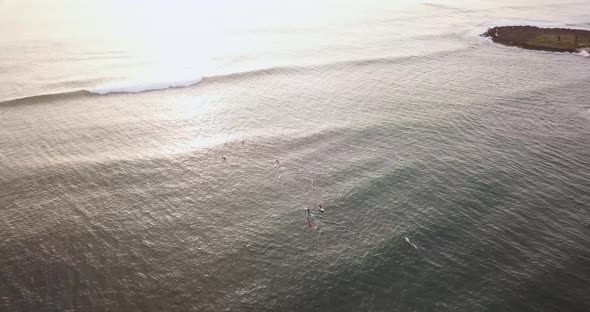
(537, 38)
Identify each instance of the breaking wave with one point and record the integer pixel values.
(132, 86)
(146, 85)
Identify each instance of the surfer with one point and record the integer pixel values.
(223, 157)
(320, 208)
(409, 242)
(308, 223)
(276, 161)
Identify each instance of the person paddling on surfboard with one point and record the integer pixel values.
(410, 242)
(308, 223)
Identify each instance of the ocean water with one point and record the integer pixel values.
(161, 157)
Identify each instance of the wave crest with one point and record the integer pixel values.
(137, 86)
(165, 82)
(38, 99)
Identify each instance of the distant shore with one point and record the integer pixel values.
(536, 38)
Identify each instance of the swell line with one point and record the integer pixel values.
(127, 87)
(41, 98)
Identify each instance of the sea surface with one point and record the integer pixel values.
(162, 156)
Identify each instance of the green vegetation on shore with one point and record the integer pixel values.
(536, 38)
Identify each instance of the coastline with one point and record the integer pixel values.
(537, 38)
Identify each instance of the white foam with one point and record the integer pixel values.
(142, 85)
(584, 53)
(522, 22)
